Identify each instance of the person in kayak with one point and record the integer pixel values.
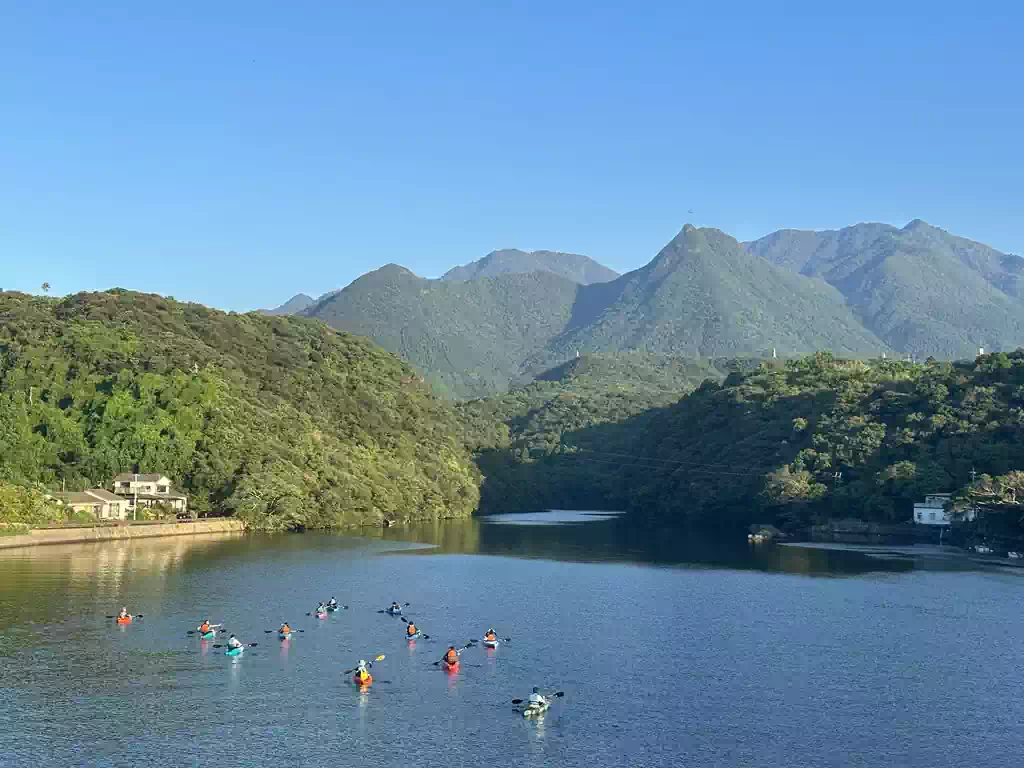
(362, 670)
(489, 636)
(451, 657)
(321, 608)
(395, 608)
(206, 626)
(332, 603)
(124, 613)
(410, 630)
(536, 700)
(233, 643)
(285, 629)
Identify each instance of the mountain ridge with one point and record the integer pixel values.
(861, 291)
(572, 266)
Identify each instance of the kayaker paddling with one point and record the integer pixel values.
(411, 631)
(285, 630)
(233, 643)
(124, 613)
(537, 704)
(321, 608)
(489, 636)
(395, 608)
(451, 657)
(206, 627)
(362, 674)
(332, 604)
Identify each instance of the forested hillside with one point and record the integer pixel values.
(470, 338)
(704, 295)
(280, 420)
(519, 437)
(794, 443)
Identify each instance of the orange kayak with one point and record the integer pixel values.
(362, 681)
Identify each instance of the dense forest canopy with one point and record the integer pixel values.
(793, 443)
(279, 419)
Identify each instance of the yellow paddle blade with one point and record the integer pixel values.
(380, 658)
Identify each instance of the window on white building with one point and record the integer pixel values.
(931, 515)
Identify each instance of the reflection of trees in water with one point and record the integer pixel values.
(622, 539)
(96, 569)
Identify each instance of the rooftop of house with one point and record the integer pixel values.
(76, 497)
(150, 477)
(104, 494)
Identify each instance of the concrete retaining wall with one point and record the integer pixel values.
(40, 536)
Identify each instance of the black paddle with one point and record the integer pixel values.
(270, 631)
(134, 616)
(245, 645)
(558, 695)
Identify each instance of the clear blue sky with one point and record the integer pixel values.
(236, 153)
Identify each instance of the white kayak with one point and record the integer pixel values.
(536, 710)
(490, 643)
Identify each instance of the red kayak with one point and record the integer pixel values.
(450, 667)
(362, 681)
(124, 620)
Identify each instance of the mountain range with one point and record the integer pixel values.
(862, 291)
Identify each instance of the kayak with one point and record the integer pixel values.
(413, 636)
(362, 681)
(450, 667)
(322, 615)
(536, 710)
(395, 612)
(208, 635)
(285, 635)
(333, 608)
(234, 651)
(124, 620)
(491, 643)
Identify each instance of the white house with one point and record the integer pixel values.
(933, 511)
(149, 489)
(96, 501)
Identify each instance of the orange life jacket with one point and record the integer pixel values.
(285, 629)
(490, 636)
(452, 657)
(204, 627)
(411, 630)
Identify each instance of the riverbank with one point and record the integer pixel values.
(43, 536)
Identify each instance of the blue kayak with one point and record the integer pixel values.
(395, 611)
(209, 635)
(234, 651)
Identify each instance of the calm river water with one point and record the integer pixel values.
(670, 651)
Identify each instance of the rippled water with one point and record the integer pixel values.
(670, 650)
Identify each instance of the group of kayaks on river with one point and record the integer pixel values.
(534, 706)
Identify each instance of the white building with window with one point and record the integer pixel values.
(933, 511)
(149, 489)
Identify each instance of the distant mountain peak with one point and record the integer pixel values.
(296, 304)
(918, 225)
(572, 266)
